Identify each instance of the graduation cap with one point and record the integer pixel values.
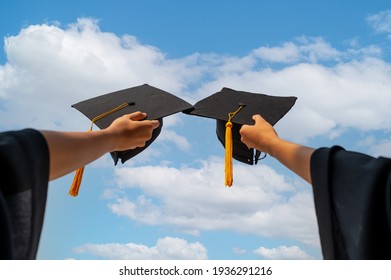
(232, 109)
(103, 110)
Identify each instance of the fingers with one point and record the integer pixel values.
(137, 116)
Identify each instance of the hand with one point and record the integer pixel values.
(131, 131)
(263, 137)
(260, 136)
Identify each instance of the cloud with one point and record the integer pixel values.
(307, 49)
(167, 248)
(381, 22)
(171, 136)
(283, 253)
(194, 199)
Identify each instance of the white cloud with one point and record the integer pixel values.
(381, 22)
(167, 248)
(261, 202)
(283, 253)
(171, 136)
(287, 53)
(306, 49)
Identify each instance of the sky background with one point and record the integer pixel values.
(170, 201)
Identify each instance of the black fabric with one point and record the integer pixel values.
(24, 158)
(352, 200)
(5, 231)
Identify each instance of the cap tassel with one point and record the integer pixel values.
(228, 154)
(229, 148)
(74, 190)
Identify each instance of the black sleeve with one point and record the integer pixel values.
(352, 200)
(24, 161)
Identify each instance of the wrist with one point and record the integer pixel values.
(109, 139)
(273, 145)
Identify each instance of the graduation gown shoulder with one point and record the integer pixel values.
(24, 161)
(352, 193)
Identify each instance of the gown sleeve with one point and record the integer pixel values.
(352, 194)
(24, 161)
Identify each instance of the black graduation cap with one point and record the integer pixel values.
(238, 107)
(155, 102)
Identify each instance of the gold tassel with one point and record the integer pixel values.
(228, 155)
(229, 148)
(74, 190)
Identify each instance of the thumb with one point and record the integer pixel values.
(258, 118)
(155, 124)
(137, 116)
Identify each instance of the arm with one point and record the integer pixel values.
(71, 150)
(263, 137)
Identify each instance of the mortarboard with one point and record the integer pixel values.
(103, 110)
(228, 107)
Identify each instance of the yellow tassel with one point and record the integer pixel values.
(74, 190)
(229, 147)
(228, 154)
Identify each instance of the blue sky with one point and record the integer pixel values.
(170, 201)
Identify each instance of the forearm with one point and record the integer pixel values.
(71, 150)
(294, 156)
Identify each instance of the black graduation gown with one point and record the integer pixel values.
(24, 162)
(352, 194)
